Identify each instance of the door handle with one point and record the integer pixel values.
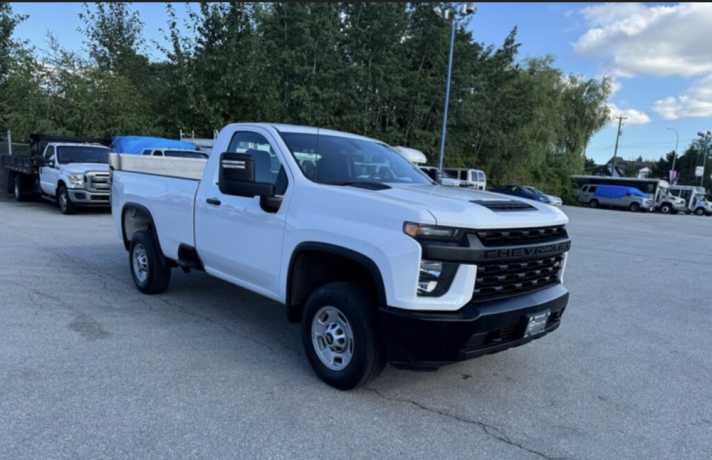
(214, 201)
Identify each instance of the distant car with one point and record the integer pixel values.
(521, 191)
(553, 200)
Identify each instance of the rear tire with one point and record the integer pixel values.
(65, 204)
(634, 207)
(341, 336)
(16, 190)
(149, 271)
(593, 204)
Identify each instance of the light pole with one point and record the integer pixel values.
(464, 10)
(706, 137)
(674, 154)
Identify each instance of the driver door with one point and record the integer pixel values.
(236, 237)
(49, 174)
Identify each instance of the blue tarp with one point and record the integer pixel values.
(617, 191)
(136, 144)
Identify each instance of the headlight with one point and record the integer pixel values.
(76, 180)
(430, 231)
(435, 277)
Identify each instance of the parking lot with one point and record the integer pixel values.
(91, 368)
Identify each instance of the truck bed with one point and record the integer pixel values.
(169, 195)
(23, 165)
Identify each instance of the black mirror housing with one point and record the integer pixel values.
(237, 176)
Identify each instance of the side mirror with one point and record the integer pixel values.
(435, 174)
(49, 163)
(237, 176)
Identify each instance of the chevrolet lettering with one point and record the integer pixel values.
(520, 253)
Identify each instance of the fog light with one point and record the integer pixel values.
(426, 286)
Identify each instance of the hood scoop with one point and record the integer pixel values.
(504, 205)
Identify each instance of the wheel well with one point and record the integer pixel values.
(134, 219)
(311, 269)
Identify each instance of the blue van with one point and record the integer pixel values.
(616, 196)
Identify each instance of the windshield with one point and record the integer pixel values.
(184, 154)
(342, 160)
(700, 197)
(82, 154)
(534, 191)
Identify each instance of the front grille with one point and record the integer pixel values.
(98, 182)
(520, 236)
(496, 280)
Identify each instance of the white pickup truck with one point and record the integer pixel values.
(378, 269)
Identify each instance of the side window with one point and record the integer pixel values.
(463, 175)
(146, 152)
(49, 153)
(157, 153)
(268, 168)
(592, 189)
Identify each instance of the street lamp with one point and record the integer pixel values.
(674, 154)
(464, 10)
(706, 135)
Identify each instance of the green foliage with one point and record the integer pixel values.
(372, 68)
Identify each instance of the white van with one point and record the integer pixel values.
(469, 177)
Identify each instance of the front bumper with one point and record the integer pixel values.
(85, 198)
(429, 340)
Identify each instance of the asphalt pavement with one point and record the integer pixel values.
(92, 369)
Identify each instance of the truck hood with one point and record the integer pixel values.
(84, 168)
(457, 207)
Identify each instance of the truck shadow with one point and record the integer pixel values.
(198, 301)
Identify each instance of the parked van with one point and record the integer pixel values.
(616, 196)
(469, 177)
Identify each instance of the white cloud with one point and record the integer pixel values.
(615, 86)
(637, 39)
(696, 101)
(632, 116)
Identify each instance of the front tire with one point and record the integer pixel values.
(666, 208)
(341, 337)
(148, 269)
(634, 207)
(65, 204)
(593, 204)
(699, 212)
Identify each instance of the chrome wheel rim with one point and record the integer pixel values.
(140, 263)
(332, 337)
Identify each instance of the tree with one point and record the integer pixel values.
(114, 37)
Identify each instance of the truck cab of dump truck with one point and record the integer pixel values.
(75, 175)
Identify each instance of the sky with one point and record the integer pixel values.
(658, 56)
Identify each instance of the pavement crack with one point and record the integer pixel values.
(490, 430)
